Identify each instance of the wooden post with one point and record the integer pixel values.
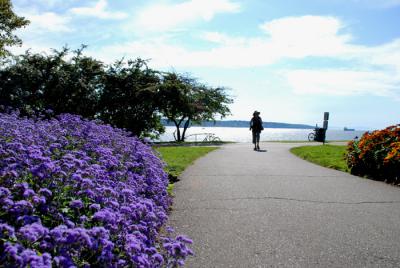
(325, 126)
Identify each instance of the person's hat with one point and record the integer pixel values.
(256, 112)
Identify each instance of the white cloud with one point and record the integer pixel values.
(99, 11)
(35, 47)
(54, 3)
(370, 70)
(299, 37)
(46, 4)
(385, 55)
(290, 37)
(47, 22)
(222, 39)
(343, 82)
(165, 55)
(166, 17)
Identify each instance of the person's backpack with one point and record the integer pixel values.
(257, 124)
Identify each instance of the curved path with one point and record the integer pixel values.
(268, 209)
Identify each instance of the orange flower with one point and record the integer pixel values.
(376, 153)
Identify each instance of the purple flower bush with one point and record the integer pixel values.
(76, 193)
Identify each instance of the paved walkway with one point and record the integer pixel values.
(268, 209)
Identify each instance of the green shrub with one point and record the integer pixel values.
(376, 155)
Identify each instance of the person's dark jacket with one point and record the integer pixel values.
(256, 124)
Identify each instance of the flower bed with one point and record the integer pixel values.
(376, 155)
(77, 193)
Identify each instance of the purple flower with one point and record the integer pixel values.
(126, 210)
(158, 258)
(105, 216)
(28, 193)
(4, 192)
(88, 193)
(95, 206)
(133, 244)
(32, 232)
(27, 219)
(22, 207)
(69, 223)
(37, 200)
(76, 177)
(184, 239)
(32, 259)
(55, 146)
(77, 204)
(6, 203)
(58, 232)
(64, 261)
(78, 235)
(87, 183)
(117, 187)
(113, 204)
(46, 192)
(22, 186)
(11, 251)
(83, 219)
(6, 231)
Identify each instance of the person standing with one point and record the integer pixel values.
(256, 127)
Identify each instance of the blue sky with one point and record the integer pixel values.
(290, 59)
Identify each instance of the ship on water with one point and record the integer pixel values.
(348, 129)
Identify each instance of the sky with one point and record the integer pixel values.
(292, 60)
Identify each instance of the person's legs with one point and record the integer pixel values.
(258, 140)
(254, 139)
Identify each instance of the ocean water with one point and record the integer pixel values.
(269, 134)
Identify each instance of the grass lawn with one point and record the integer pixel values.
(178, 158)
(303, 141)
(191, 143)
(331, 156)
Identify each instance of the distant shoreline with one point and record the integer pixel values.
(243, 124)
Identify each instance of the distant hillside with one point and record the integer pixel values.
(243, 124)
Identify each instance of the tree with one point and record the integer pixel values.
(35, 82)
(75, 85)
(124, 94)
(186, 100)
(130, 98)
(9, 22)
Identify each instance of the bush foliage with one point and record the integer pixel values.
(76, 193)
(376, 155)
(126, 94)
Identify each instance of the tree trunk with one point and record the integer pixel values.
(185, 127)
(178, 131)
